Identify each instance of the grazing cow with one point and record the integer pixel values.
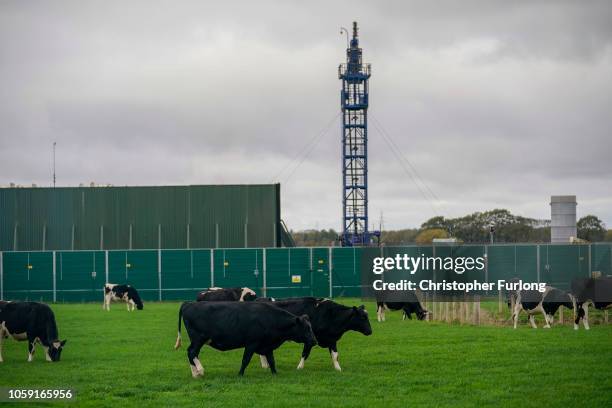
(257, 326)
(409, 306)
(125, 293)
(591, 291)
(329, 320)
(225, 295)
(547, 303)
(34, 322)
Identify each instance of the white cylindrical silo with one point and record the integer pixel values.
(563, 218)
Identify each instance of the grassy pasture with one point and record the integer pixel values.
(126, 359)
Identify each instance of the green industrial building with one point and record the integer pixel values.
(160, 217)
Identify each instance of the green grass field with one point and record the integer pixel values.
(124, 359)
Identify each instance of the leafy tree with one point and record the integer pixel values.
(399, 237)
(427, 236)
(591, 228)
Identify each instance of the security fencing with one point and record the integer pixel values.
(178, 274)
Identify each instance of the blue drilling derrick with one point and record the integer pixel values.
(354, 102)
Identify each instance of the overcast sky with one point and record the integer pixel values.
(495, 104)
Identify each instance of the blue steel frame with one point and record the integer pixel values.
(354, 103)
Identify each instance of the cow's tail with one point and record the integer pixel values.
(177, 345)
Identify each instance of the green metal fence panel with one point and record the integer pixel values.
(288, 272)
(28, 276)
(137, 268)
(601, 259)
(321, 278)
(239, 268)
(346, 272)
(80, 276)
(179, 274)
(561, 263)
(184, 273)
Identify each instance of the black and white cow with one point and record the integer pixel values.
(34, 322)
(547, 303)
(259, 327)
(126, 293)
(226, 295)
(591, 291)
(410, 305)
(329, 321)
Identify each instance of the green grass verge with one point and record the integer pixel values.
(126, 359)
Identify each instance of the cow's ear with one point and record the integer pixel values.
(362, 307)
(355, 308)
(63, 343)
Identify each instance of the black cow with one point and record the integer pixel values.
(257, 326)
(226, 295)
(547, 303)
(34, 322)
(410, 305)
(329, 320)
(127, 293)
(591, 291)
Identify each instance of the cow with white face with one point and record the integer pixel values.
(596, 292)
(547, 303)
(34, 322)
(122, 293)
(227, 295)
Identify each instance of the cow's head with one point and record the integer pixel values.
(55, 351)
(247, 295)
(360, 321)
(421, 314)
(304, 333)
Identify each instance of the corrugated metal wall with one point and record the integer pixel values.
(67, 276)
(95, 218)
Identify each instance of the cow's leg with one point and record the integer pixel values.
(333, 351)
(378, 313)
(532, 321)
(47, 356)
(548, 319)
(515, 313)
(305, 353)
(585, 318)
(270, 358)
(1, 340)
(31, 342)
(192, 356)
(264, 361)
(246, 359)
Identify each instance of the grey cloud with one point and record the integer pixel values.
(496, 103)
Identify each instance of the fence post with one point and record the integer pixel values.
(54, 280)
(265, 275)
(590, 271)
(1, 277)
(106, 266)
(212, 268)
(538, 263)
(330, 266)
(159, 272)
(499, 301)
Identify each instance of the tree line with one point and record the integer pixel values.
(471, 228)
